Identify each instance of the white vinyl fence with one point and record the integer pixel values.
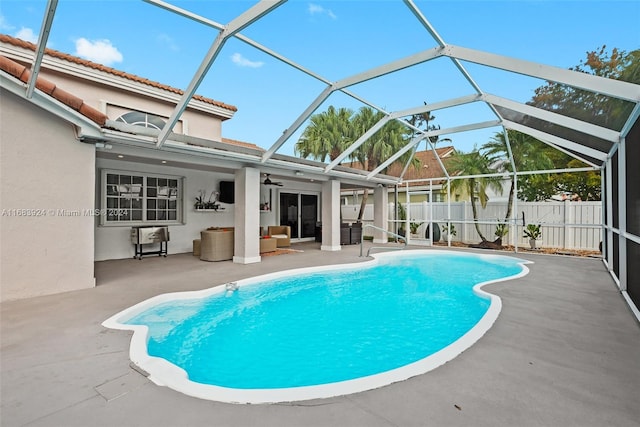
(567, 225)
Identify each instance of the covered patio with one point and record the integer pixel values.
(563, 352)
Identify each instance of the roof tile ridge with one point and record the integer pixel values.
(49, 88)
(240, 143)
(110, 70)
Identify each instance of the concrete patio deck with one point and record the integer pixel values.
(565, 351)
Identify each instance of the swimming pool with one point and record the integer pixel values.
(318, 332)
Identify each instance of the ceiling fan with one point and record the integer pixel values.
(267, 181)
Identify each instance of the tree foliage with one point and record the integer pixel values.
(328, 134)
(331, 132)
(528, 155)
(588, 106)
(473, 163)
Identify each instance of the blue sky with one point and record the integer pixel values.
(335, 39)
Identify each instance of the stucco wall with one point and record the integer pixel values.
(47, 176)
(112, 242)
(106, 99)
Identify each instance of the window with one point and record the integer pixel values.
(135, 198)
(142, 119)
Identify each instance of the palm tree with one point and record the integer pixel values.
(528, 154)
(473, 163)
(328, 135)
(380, 146)
(332, 131)
(422, 119)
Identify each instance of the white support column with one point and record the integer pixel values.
(431, 211)
(247, 216)
(381, 213)
(609, 206)
(515, 233)
(622, 214)
(449, 216)
(331, 216)
(603, 209)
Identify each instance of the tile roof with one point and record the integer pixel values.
(241, 143)
(74, 59)
(22, 73)
(429, 166)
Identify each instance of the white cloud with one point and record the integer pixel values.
(168, 42)
(27, 34)
(317, 9)
(101, 51)
(240, 60)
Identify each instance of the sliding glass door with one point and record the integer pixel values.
(300, 212)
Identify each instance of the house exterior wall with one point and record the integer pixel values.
(114, 102)
(46, 243)
(113, 242)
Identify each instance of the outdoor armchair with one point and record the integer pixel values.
(282, 233)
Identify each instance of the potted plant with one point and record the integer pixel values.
(414, 227)
(200, 203)
(532, 231)
(449, 230)
(501, 231)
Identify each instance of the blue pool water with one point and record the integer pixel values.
(325, 327)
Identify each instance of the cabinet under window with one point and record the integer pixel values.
(134, 198)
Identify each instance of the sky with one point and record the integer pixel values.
(334, 39)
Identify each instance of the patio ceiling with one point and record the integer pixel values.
(586, 141)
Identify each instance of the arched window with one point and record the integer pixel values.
(142, 119)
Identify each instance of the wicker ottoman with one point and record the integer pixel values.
(268, 245)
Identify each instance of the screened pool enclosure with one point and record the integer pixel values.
(469, 91)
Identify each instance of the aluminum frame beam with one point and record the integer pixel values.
(432, 31)
(298, 122)
(437, 132)
(442, 166)
(555, 118)
(247, 40)
(408, 162)
(622, 214)
(390, 67)
(571, 154)
(464, 128)
(417, 110)
(570, 145)
(242, 21)
(626, 128)
(197, 18)
(413, 143)
(365, 136)
(615, 88)
(45, 30)
(453, 102)
(349, 81)
(86, 128)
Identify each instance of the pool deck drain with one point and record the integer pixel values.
(120, 386)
